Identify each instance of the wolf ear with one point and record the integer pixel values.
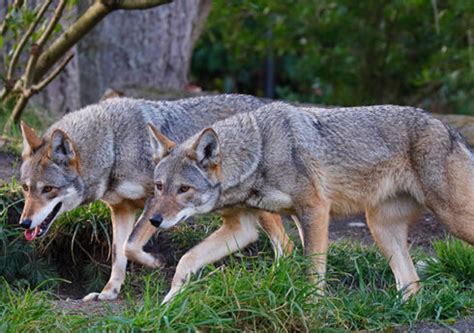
(160, 144)
(206, 150)
(61, 149)
(30, 140)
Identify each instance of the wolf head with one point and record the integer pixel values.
(186, 177)
(51, 180)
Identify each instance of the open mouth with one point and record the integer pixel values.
(41, 229)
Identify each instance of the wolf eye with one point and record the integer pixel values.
(159, 187)
(183, 189)
(25, 187)
(47, 189)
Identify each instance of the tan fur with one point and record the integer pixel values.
(388, 222)
(33, 204)
(123, 218)
(30, 140)
(166, 143)
(144, 230)
(239, 230)
(273, 226)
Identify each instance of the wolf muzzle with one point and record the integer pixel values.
(156, 220)
(26, 223)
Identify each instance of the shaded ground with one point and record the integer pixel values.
(9, 166)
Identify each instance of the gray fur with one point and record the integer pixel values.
(389, 161)
(345, 152)
(110, 139)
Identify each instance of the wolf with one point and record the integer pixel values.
(391, 162)
(99, 153)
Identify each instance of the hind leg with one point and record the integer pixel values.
(447, 178)
(453, 204)
(388, 222)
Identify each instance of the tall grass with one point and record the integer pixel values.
(247, 292)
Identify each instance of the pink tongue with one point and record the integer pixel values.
(30, 234)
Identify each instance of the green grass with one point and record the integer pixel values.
(258, 295)
(247, 292)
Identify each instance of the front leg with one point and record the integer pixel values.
(123, 216)
(141, 234)
(237, 232)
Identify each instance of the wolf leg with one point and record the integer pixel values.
(238, 231)
(140, 235)
(452, 198)
(273, 227)
(314, 224)
(123, 216)
(388, 222)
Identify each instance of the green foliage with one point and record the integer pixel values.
(81, 237)
(343, 52)
(20, 263)
(257, 295)
(242, 293)
(454, 258)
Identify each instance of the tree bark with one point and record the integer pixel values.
(142, 49)
(147, 49)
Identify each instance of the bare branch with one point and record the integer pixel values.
(134, 4)
(3, 26)
(40, 85)
(91, 17)
(52, 23)
(36, 50)
(25, 38)
(16, 114)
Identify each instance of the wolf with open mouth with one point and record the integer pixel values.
(100, 153)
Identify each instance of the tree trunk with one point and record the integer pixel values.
(142, 48)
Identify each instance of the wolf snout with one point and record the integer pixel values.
(26, 223)
(156, 220)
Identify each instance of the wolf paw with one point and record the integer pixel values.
(171, 294)
(103, 296)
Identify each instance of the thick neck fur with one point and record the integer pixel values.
(241, 148)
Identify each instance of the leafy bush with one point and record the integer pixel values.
(343, 52)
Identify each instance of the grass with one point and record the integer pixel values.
(247, 292)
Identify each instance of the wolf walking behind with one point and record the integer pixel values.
(392, 162)
(102, 152)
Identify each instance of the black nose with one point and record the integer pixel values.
(26, 223)
(156, 220)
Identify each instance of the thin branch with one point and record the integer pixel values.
(39, 86)
(134, 4)
(52, 23)
(91, 17)
(25, 38)
(3, 26)
(36, 48)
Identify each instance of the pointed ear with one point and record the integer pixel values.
(30, 140)
(160, 144)
(61, 149)
(205, 150)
